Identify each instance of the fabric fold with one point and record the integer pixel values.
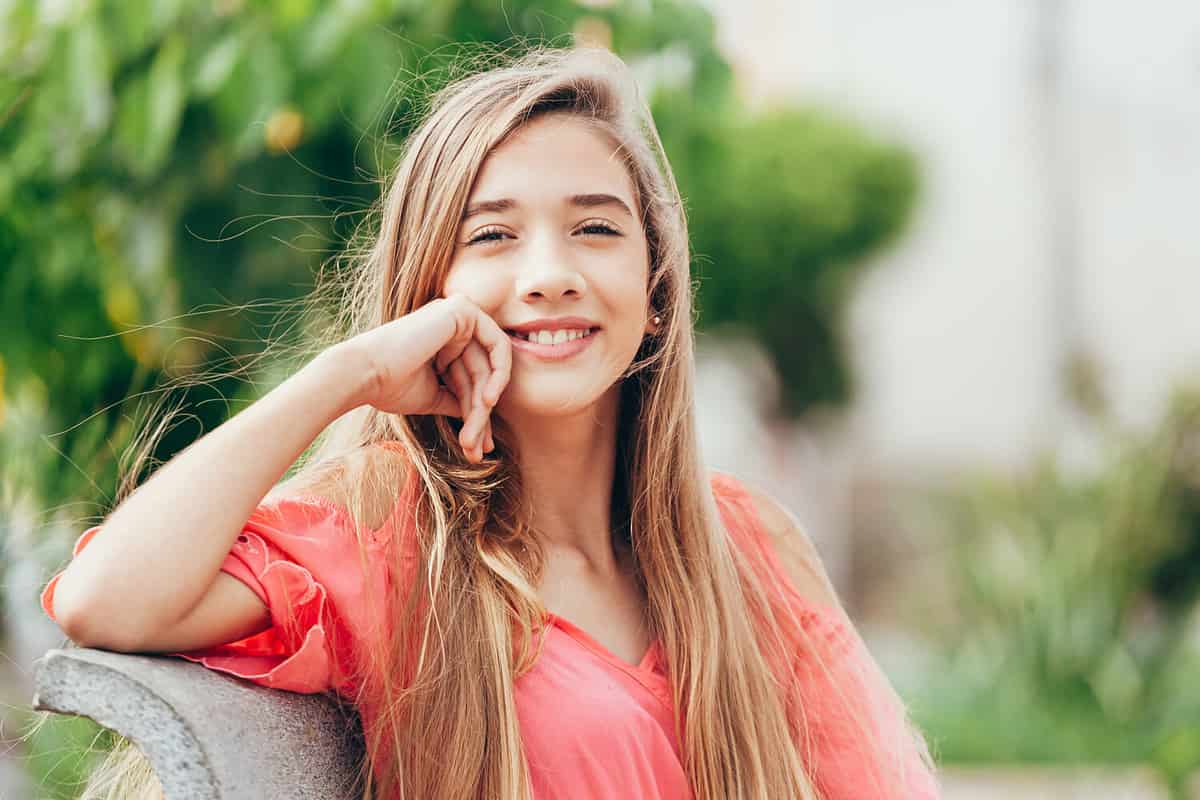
(306, 649)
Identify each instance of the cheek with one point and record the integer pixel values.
(484, 288)
(631, 291)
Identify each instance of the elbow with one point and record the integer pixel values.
(85, 633)
(88, 623)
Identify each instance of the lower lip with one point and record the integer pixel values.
(553, 352)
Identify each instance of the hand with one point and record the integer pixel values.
(451, 337)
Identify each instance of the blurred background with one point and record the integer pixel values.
(947, 265)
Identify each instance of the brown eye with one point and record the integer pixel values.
(599, 229)
(486, 235)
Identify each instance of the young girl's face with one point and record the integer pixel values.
(552, 238)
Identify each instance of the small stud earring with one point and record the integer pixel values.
(657, 319)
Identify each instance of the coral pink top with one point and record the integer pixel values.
(593, 726)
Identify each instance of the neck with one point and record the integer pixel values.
(567, 467)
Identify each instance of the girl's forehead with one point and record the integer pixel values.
(552, 158)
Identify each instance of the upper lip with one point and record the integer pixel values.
(554, 324)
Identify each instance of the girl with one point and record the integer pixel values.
(505, 550)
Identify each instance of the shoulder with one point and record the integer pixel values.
(361, 489)
(779, 532)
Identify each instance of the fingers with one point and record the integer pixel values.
(495, 341)
(464, 315)
(448, 355)
(473, 414)
(479, 368)
(477, 365)
(491, 337)
(459, 382)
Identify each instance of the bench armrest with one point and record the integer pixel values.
(208, 736)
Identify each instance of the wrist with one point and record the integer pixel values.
(346, 374)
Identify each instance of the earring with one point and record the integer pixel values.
(657, 320)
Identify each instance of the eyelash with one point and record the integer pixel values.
(479, 237)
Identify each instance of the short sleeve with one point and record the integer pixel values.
(861, 743)
(295, 554)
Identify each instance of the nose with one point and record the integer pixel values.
(548, 275)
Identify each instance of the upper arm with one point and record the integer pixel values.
(228, 612)
(863, 739)
(795, 549)
(268, 615)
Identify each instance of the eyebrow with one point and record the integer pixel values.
(577, 200)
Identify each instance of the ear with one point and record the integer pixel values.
(653, 322)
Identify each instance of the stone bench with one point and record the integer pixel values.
(208, 736)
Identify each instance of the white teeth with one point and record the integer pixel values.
(554, 337)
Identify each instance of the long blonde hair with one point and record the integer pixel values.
(440, 686)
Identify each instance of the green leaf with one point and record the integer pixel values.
(151, 109)
(165, 94)
(89, 74)
(216, 65)
(260, 83)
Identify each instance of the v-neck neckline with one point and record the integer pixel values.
(644, 665)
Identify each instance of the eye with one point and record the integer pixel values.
(486, 235)
(598, 228)
(491, 235)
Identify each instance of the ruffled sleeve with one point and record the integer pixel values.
(860, 743)
(299, 556)
(292, 553)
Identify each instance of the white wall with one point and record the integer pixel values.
(957, 330)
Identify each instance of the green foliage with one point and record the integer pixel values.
(1065, 644)
(63, 750)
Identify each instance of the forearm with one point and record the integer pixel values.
(161, 548)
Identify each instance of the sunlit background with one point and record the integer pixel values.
(948, 271)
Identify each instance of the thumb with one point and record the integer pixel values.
(446, 404)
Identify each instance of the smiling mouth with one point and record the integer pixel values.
(556, 337)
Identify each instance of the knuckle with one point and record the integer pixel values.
(459, 308)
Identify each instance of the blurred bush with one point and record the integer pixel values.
(1069, 623)
(783, 207)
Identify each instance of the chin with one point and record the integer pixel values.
(550, 398)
